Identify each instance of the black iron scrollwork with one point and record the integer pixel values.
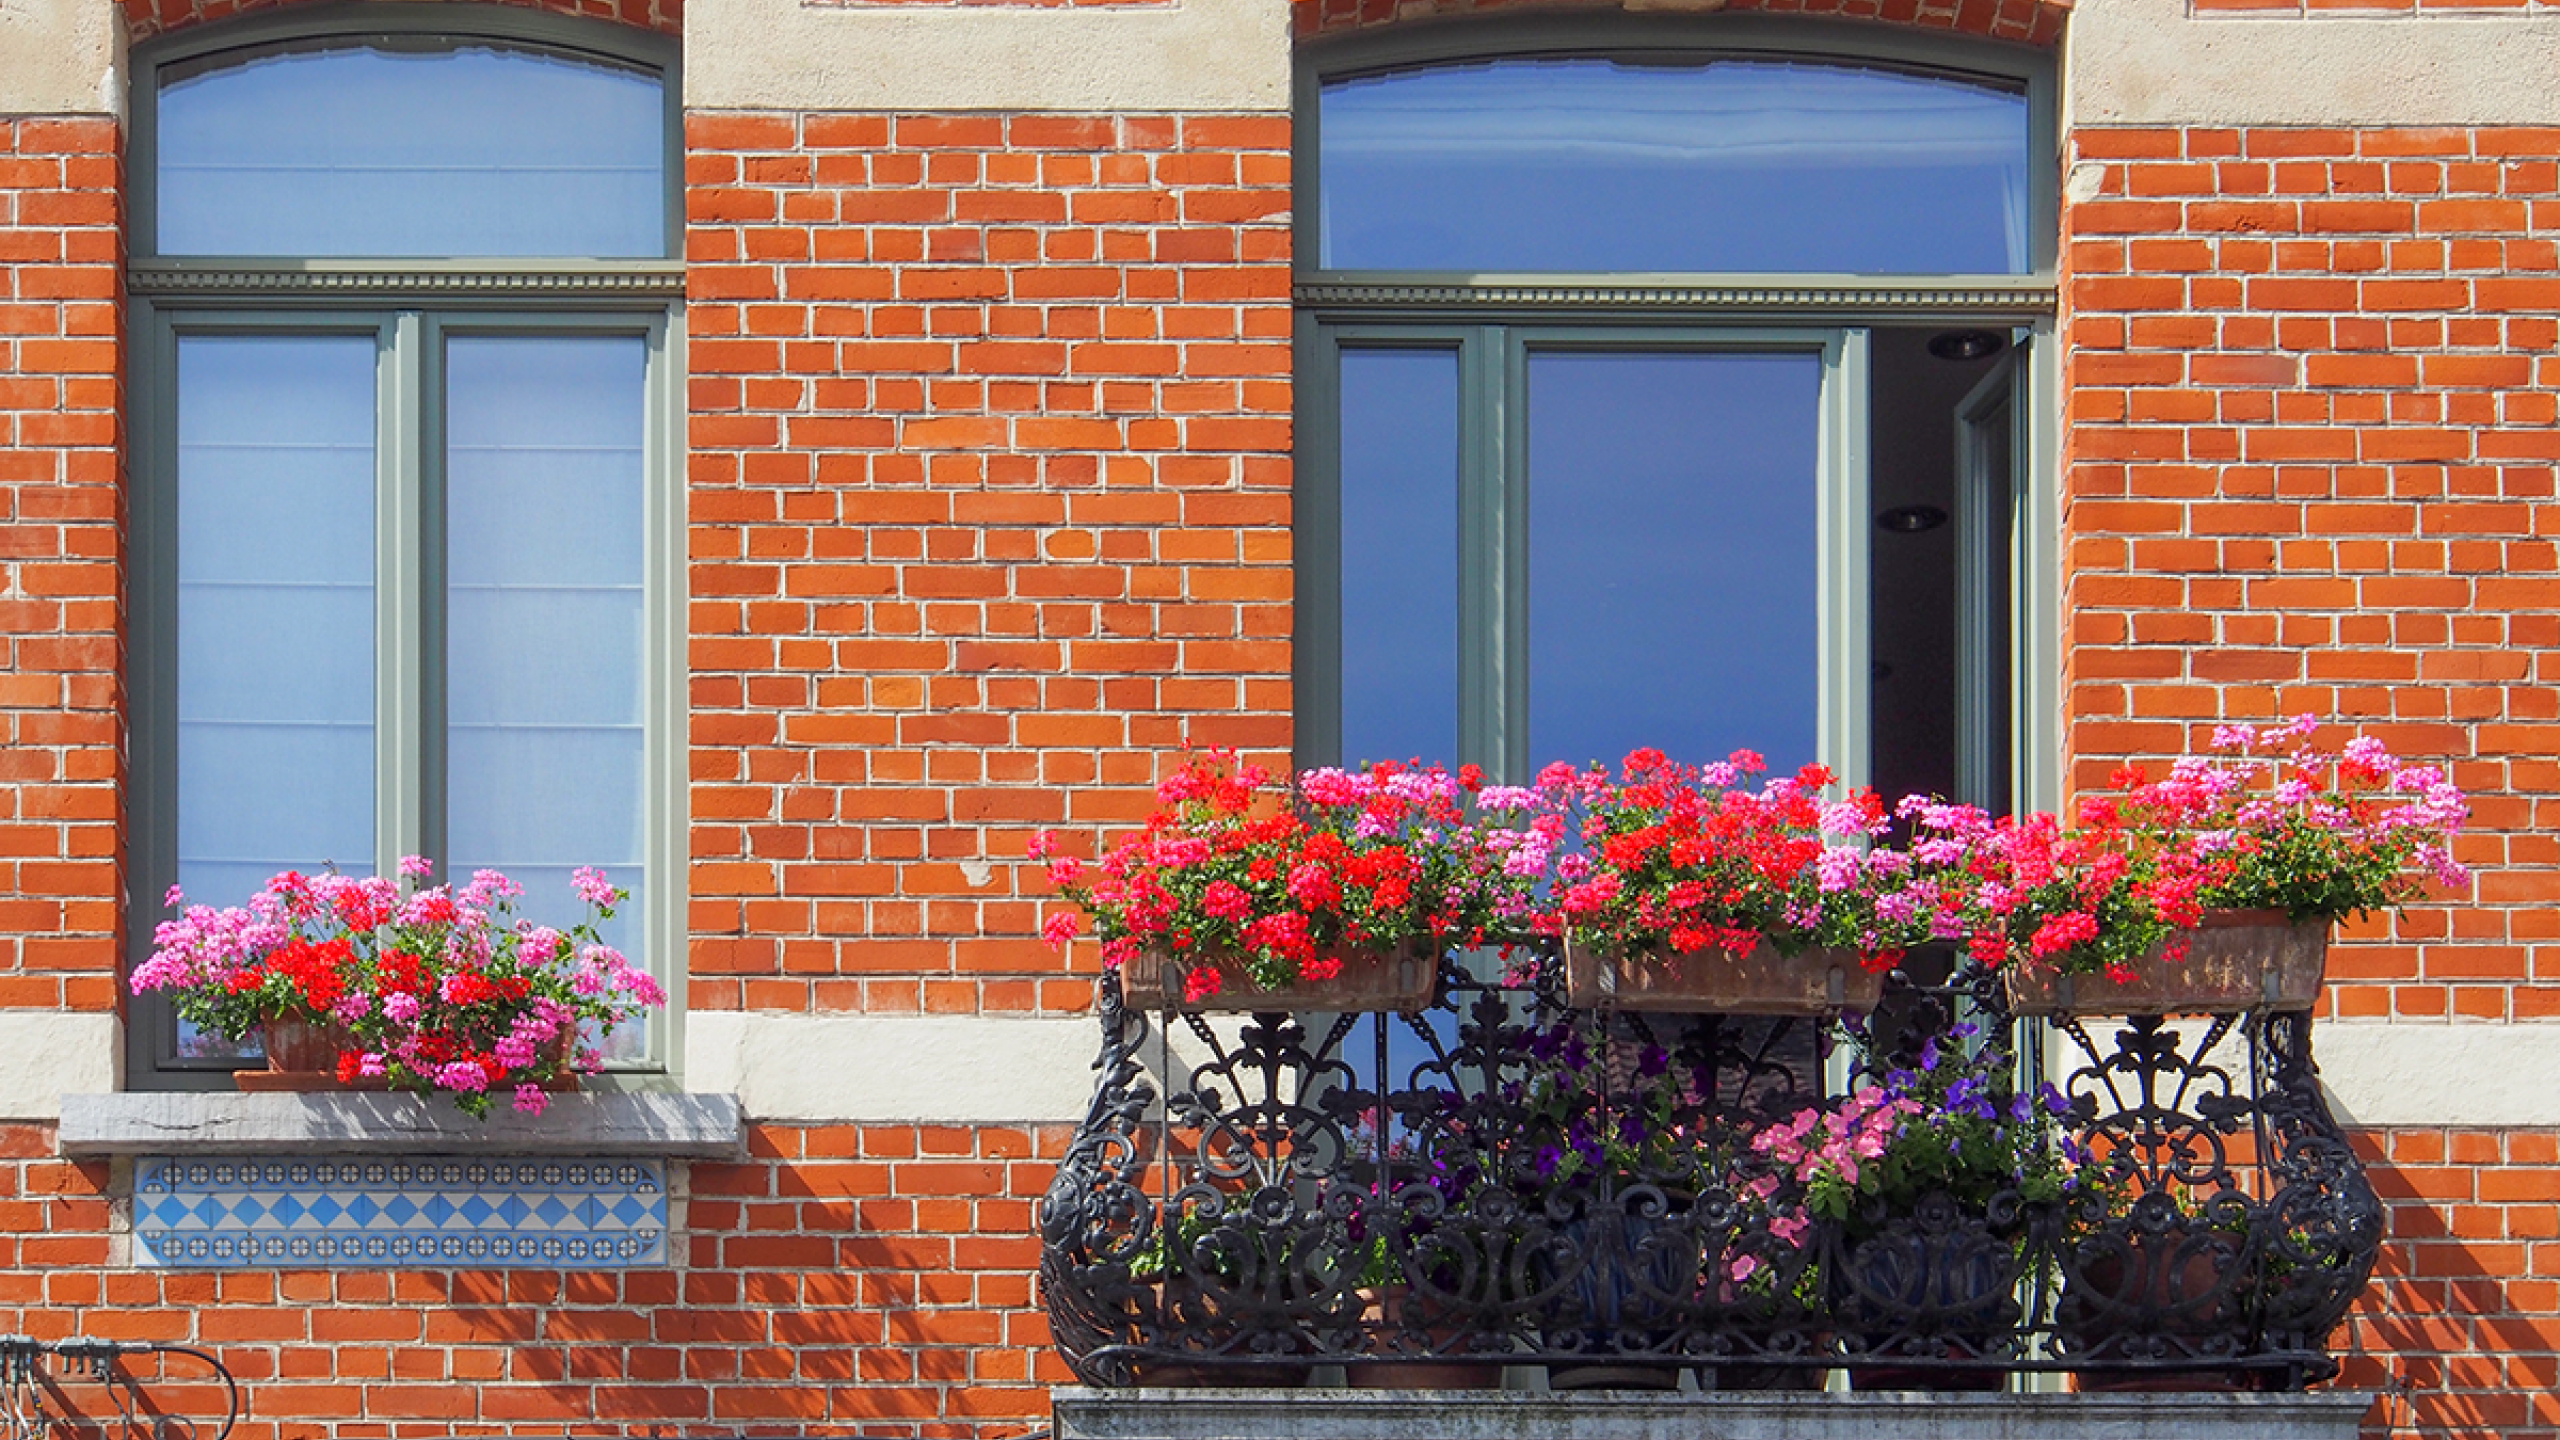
(36, 1402)
(1503, 1180)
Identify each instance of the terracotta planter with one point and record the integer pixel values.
(1743, 1374)
(2236, 960)
(2176, 1287)
(1633, 1268)
(1961, 1300)
(1404, 979)
(1173, 1303)
(1764, 982)
(302, 1055)
(1383, 1309)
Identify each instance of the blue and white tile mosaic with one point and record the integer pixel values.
(400, 1212)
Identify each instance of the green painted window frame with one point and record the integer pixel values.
(1490, 320)
(1493, 524)
(408, 307)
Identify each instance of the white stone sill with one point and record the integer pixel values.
(1083, 1414)
(682, 1127)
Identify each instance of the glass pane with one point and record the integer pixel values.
(1672, 555)
(544, 672)
(1590, 164)
(1400, 555)
(275, 611)
(462, 150)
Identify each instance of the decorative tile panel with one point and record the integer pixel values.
(400, 1212)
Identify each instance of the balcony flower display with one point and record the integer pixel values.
(1237, 879)
(1661, 1214)
(1670, 887)
(1685, 871)
(1943, 1146)
(2232, 868)
(432, 989)
(2315, 837)
(1951, 1123)
(1638, 1194)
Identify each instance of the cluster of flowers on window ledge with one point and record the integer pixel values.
(1664, 868)
(372, 982)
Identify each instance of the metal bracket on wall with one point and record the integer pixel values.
(36, 1402)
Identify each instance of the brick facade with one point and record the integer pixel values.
(990, 493)
(2309, 463)
(872, 1280)
(61, 609)
(146, 18)
(988, 514)
(2033, 22)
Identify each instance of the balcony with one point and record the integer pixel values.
(1504, 1191)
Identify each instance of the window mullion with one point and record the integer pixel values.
(1490, 595)
(665, 692)
(2036, 578)
(401, 728)
(1845, 724)
(427, 662)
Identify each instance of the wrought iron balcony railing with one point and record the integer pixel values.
(1501, 1180)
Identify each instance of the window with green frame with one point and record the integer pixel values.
(1678, 381)
(407, 532)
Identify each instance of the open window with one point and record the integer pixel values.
(1678, 382)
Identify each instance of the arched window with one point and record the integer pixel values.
(1673, 382)
(406, 547)
(410, 146)
(1736, 164)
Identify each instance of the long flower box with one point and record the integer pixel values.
(1764, 982)
(1404, 978)
(2236, 960)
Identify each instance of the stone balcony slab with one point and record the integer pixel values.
(1337, 1414)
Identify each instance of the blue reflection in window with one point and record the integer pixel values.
(1674, 527)
(1399, 555)
(1586, 163)
(545, 667)
(460, 150)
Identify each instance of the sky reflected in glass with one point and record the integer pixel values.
(467, 151)
(1587, 163)
(1673, 534)
(1400, 555)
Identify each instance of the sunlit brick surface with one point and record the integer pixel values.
(2309, 467)
(60, 546)
(2033, 21)
(990, 515)
(145, 18)
(872, 1281)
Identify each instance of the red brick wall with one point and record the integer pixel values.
(873, 1281)
(2460, 1333)
(2310, 464)
(2372, 7)
(61, 278)
(146, 18)
(876, 1280)
(989, 512)
(2309, 467)
(2035, 22)
(990, 504)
